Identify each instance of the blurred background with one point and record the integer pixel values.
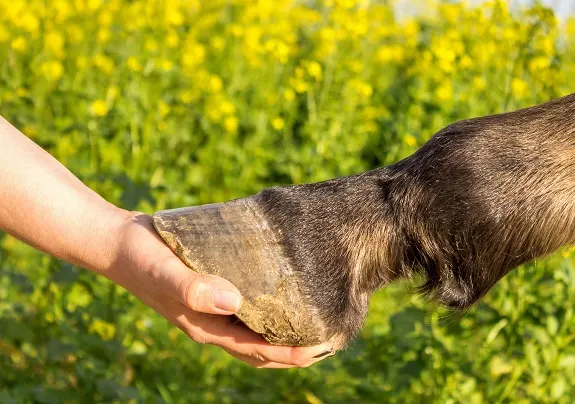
(160, 104)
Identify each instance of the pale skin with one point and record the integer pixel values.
(46, 206)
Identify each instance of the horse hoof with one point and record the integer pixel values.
(234, 241)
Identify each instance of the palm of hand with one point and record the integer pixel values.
(147, 268)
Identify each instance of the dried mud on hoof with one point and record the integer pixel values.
(233, 240)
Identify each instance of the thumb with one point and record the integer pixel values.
(209, 294)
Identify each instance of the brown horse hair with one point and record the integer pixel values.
(481, 197)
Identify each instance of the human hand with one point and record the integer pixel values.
(200, 305)
(78, 226)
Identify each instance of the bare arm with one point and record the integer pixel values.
(46, 206)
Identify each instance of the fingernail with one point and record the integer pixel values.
(324, 348)
(227, 300)
(321, 355)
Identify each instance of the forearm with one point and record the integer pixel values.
(46, 206)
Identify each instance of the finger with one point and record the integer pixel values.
(209, 294)
(198, 292)
(236, 337)
(256, 363)
(319, 358)
(183, 323)
(241, 339)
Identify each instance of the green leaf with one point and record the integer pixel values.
(558, 388)
(552, 325)
(501, 324)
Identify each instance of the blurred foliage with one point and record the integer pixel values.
(158, 104)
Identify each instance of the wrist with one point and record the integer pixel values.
(101, 251)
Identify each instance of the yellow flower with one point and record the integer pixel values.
(99, 108)
(54, 42)
(106, 19)
(410, 140)
(519, 87)
(52, 69)
(75, 33)
(151, 45)
(547, 44)
(193, 55)
(539, 63)
(466, 62)
(215, 83)
(445, 91)
(174, 16)
(306, 15)
(166, 64)
(188, 96)
(81, 62)
(510, 34)
(213, 114)
(361, 88)
(451, 12)
(164, 108)
(314, 70)
(570, 27)
(567, 253)
(104, 63)
(390, 53)
(217, 42)
(4, 34)
(228, 108)
(300, 86)
(298, 82)
(485, 51)
(355, 66)
(278, 123)
(289, 95)
(103, 35)
(231, 124)
(134, 64)
(253, 36)
(479, 83)
(112, 93)
(78, 296)
(411, 29)
(19, 44)
(445, 50)
(341, 3)
(61, 10)
(278, 49)
(29, 22)
(93, 5)
(105, 330)
(236, 30)
(172, 40)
